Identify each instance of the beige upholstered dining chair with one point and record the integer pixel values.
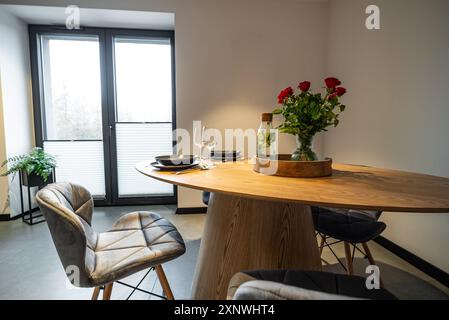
(137, 240)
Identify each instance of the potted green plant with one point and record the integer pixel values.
(36, 167)
(305, 114)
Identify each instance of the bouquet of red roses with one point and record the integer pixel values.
(306, 113)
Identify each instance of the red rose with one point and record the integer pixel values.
(331, 83)
(332, 96)
(340, 91)
(304, 86)
(284, 94)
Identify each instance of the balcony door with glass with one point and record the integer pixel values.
(143, 119)
(104, 100)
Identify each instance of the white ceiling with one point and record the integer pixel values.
(95, 17)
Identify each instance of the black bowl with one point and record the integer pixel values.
(173, 160)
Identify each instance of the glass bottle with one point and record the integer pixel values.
(265, 136)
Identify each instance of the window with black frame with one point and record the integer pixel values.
(104, 100)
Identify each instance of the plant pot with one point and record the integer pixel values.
(284, 166)
(34, 180)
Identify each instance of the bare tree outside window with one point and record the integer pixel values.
(73, 95)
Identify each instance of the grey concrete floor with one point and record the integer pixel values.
(30, 266)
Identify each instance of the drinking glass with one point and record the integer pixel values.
(206, 144)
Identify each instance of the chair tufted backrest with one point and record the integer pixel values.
(373, 215)
(68, 210)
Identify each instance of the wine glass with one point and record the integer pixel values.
(206, 144)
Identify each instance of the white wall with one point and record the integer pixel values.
(16, 95)
(233, 57)
(398, 103)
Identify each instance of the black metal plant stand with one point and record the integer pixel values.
(32, 181)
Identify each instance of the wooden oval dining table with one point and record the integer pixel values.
(256, 221)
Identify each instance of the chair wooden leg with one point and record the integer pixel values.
(348, 258)
(368, 253)
(96, 293)
(321, 247)
(164, 283)
(371, 259)
(107, 291)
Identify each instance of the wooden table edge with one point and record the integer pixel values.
(310, 203)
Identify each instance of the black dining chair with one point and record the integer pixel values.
(301, 285)
(352, 227)
(206, 196)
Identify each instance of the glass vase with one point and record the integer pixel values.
(304, 151)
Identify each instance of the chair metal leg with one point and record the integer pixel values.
(329, 245)
(164, 283)
(96, 293)
(108, 291)
(348, 258)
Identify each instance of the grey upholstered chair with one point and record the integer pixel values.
(301, 285)
(137, 240)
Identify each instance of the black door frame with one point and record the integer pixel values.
(111, 85)
(105, 37)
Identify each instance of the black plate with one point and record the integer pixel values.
(174, 168)
(174, 160)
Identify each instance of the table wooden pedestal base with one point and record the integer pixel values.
(245, 234)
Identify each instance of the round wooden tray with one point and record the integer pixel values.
(284, 167)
